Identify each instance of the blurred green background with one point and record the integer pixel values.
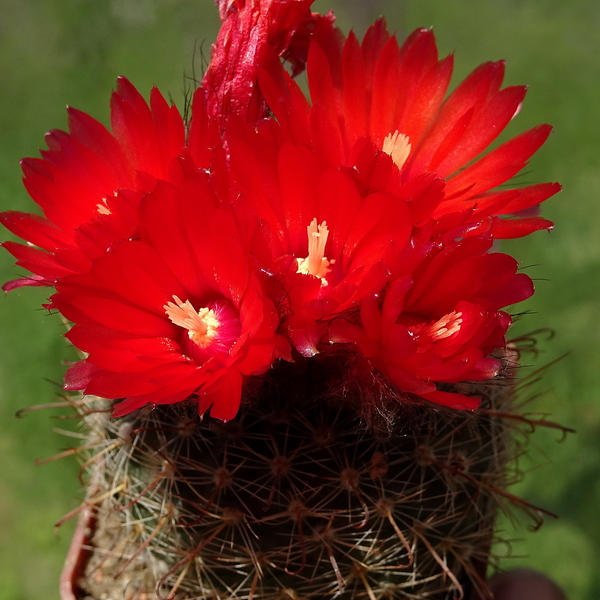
(59, 52)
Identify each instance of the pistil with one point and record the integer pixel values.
(316, 262)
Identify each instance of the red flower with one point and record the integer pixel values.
(89, 182)
(248, 26)
(438, 321)
(326, 241)
(379, 97)
(184, 253)
(179, 313)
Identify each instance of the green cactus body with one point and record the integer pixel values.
(300, 496)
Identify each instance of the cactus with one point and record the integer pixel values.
(299, 496)
(298, 313)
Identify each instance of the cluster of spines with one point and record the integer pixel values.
(303, 495)
(299, 498)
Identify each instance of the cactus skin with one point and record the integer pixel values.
(300, 496)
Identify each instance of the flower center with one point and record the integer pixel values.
(316, 262)
(398, 146)
(445, 327)
(202, 325)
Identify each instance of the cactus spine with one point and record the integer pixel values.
(298, 497)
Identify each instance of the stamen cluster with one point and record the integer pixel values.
(191, 257)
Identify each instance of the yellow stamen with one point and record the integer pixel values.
(316, 262)
(202, 325)
(398, 146)
(102, 207)
(445, 327)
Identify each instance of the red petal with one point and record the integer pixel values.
(457, 401)
(151, 136)
(169, 127)
(31, 280)
(320, 82)
(231, 75)
(116, 315)
(516, 228)
(135, 272)
(35, 229)
(79, 375)
(374, 41)
(499, 165)
(386, 90)
(355, 96)
(327, 136)
(483, 129)
(338, 203)
(97, 138)
(222, 395)
(162, 224)
(381, 220)
(298, 171)
(34, 260)
(531, 196)
(426, 101)
(470, 95)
